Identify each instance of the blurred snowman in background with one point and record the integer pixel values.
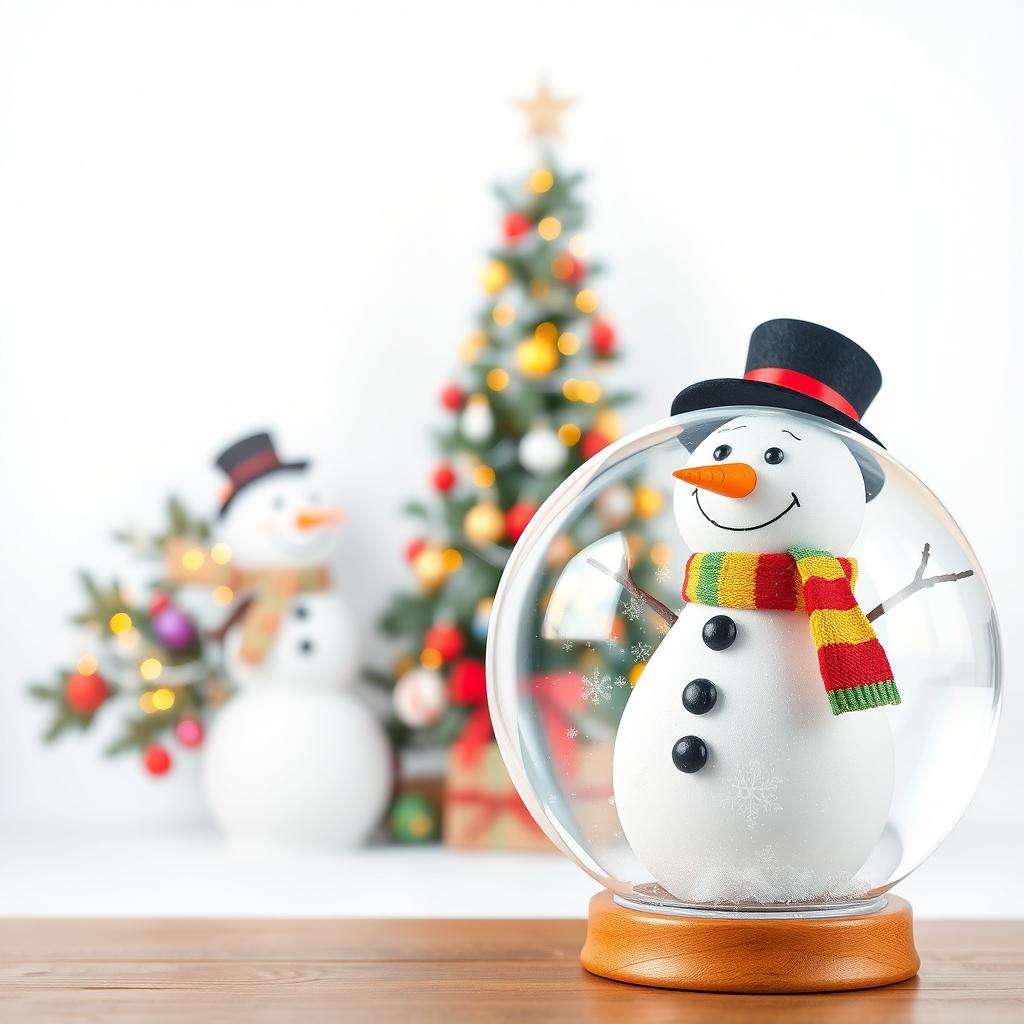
(295, 758)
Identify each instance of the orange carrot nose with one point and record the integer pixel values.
(733, 479)
(308, 518)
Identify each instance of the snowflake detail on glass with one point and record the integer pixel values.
(754, 793)
(621, 681)
(633, 609)
(641, 651)
(597, 687)
(572, 732)
(662, 574)
(567, 646)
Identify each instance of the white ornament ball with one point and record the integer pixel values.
(420, 698)
(615, 505)
(541, 452)
(477, 420)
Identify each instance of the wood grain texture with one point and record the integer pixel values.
(749, 955)
(443, 971)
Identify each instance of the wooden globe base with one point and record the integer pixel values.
(722, 954)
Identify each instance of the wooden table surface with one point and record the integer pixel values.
(419, 970)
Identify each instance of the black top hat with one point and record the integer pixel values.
(796, 365)
(247, 461)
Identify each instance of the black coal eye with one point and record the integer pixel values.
(774, 456)
(723, 451)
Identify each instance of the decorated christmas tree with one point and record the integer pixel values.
(141, 643)
(531, 402)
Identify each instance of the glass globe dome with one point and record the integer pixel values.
(692, 755)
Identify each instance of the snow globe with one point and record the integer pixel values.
(783, 694)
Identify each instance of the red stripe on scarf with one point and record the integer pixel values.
(774, 586)
(686, 576)
(833, 594)
(847, 665)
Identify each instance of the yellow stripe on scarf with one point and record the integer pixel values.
(737, 578)
(825, 567)
(829, 626)
(693, 574)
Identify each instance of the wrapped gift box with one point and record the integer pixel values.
(482, 809)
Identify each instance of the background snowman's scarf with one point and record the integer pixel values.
(853, 664)
(266, 593)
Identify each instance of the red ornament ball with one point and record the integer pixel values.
(452, 398)
(467, 683)
(447, 640)
(85, 694)
(413, 548)
(516, 225)
(602, 337)
(592, 443)
(576, 270)
(444, 478)
(159, 603)
(517, 517)
(156, 760)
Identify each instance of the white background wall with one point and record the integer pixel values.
(222, 215)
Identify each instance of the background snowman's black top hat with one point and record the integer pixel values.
(249, 460)
(803, 367)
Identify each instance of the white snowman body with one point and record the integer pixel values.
(791, 799)
(295, 758)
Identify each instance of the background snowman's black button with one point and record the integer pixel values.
(719, 632)
(306, 646)
(301, 611)
(699, 696)
(689, 754)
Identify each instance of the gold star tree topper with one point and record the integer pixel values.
(545, 113)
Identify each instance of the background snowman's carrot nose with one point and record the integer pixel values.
(308, 518)
(733, 479)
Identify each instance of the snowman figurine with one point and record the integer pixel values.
(295, 758)
(754, 760)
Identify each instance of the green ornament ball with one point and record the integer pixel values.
(414, 819)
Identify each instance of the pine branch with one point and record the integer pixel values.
(140, 732)
(41, 692)
(375, 677)
(415, 508)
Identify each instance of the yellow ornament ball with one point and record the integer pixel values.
(484, 523)
(647, 501)
(495, 277)
(430, 568)
(608, 424)
(536, 358)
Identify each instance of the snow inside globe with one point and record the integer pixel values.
(781, 696)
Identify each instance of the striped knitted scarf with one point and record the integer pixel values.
(852, 662)
(265, 593)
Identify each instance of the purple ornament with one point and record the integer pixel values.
(174, 629)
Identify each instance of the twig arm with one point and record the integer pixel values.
(624, 578)
(236, 615)
(919, 582)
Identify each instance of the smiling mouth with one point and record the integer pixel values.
(795, 503)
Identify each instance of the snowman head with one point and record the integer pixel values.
(278, 520)
(766, 482)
